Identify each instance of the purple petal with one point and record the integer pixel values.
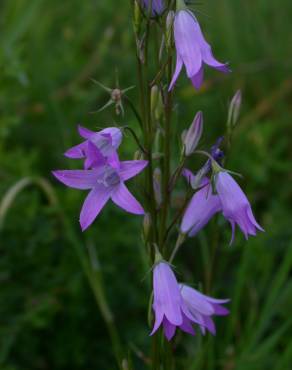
(188, 174)
(204, 296)
(77, 151)
(93, 204)
(85, 132)
(157, 6)
(168, 329)
(209, 59)
(103, 142)
(198, 78)
(235, 205)
(124, 199)
(77, 179)
(220, 310)
(129, 169)
(209, 324)
(201, 208)
(196, 301)
(198, 318)
(114, 161)
(115, 134)
(94, 157)
(158, 318)
(186, 326)
(166, 293)
(253, 220)
(179, 65)
(185, 41)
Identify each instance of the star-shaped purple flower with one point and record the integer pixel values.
(104, 182)
(192, 50)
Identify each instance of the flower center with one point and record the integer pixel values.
(110, 177)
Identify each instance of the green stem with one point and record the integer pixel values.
(179, 242)
(166, 159)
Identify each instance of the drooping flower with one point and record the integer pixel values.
(202, 207)
(192, 50)
(99, 148)
(235, 205)
(157, 6)
(169, 307)
(104, 182)
(203, 307)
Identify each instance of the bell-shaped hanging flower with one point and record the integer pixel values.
(157, 6)
(104, 182)
(202, 207)
(98, 148)
(169, 307)
(203, 307)
(235, 205)
(192, 50)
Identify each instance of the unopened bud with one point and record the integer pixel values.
(137, 17)
(146, 225)
(234, 109)
(169, 27)
(183, 136)
(193, 135)
(157, 186)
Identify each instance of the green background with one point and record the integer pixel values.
(49, 51)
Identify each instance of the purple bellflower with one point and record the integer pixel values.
(203, 307)
(168, 304)
(202, 207)
(235, 205)
(192, 50)
(157, 6)
(99, 148)
(104, 182)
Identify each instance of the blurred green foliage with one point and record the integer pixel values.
(49, 319)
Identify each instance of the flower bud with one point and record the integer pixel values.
(193, 135)
(146, 225)
(169, 26)
(137, 18)
(234, 109)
